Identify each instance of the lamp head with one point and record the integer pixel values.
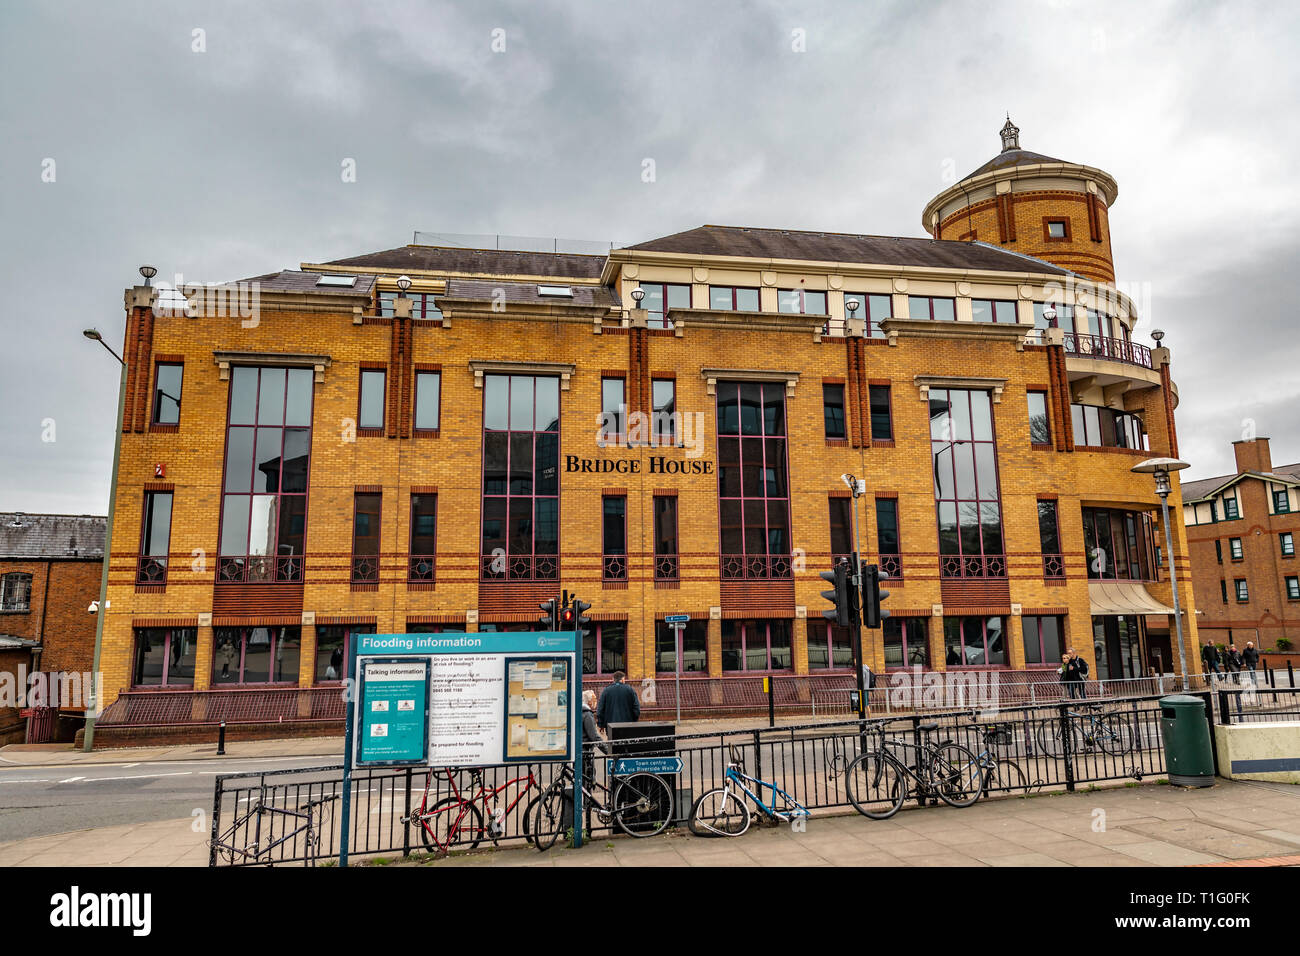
(1157, 335)
(148, 272)
(637, 295)
(852, 305)
(1049, 314)
(403, 283)
(92, 334)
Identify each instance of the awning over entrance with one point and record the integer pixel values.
(1123, 597)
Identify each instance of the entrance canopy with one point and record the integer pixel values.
(1123, 597)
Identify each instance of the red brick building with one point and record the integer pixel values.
(50, 568)
(1241, 534)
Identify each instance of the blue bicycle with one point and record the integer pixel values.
(724, 811)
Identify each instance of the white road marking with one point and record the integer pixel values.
(72, 780)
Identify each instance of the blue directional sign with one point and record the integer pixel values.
(676, 618)
(629, 765)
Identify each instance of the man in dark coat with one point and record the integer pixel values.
(1233, 658)
(1210, 658)
(618, 704)
(1250, 656)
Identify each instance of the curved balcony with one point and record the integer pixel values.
(1087, 345)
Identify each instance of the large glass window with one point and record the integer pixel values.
(882, 416)
(372, 398)
(1040, 428)
(833, 410)
(422, 305)
(167, 393)
(887, 543)
(733, 298)
(604, 648)
(155, 538)
(872, 309)
(428, 387)
(268, 447)
(906, 642)
(841, 528)
(614, 535)
(807, 301)
(663, 395)
(993, 310)
(756, 645)
(974, 641)
(660, 299)
(1064, 317)
(334, 647)
(255, 655)
(1049, 540)
(521, 486)
(1043, 639)
(1106, 428)
(753, 490)
(16, 591)
(966, 490)
(1119, 544)
(365, 538)
(693, 648)
(423, 548)
(931, 307)
(613, 410)
(830, 647)
(164, 657)
(1117, 646)
(665, 531)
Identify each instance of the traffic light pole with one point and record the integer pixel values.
(855, 628)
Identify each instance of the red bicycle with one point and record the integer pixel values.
(458, 821)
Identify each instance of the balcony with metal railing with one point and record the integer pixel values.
(259, 568)
(973, 566)
(519, 567)
(756, 567)
(1088, 345)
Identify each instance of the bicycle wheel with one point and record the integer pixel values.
(446, 826)
(875, 785)
(552, 807)
(1050, 741)
(528, 819)
(719, 813)
(957, 775)
(1005, 776)
(642, 805)
(1114, 735)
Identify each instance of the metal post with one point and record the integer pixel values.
(221, 740)
(770, 681)
(677, 640)
(93, 701)
(1173, 580)
(856, 627)
(578, 821)
(345, 815)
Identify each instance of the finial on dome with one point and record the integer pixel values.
(1010, 135)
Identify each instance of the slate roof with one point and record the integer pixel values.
(1203, 487)
(844, 247)
(292, 280)
(477, 261)
(51, 536)
(526, 292)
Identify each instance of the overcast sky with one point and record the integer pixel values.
(225, 162)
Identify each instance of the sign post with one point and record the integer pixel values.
(459, 700)
(678, 623)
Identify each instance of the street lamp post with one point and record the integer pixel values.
(1161, 467)
(92, 699)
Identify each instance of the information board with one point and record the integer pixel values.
(485, 699)
(393, 696)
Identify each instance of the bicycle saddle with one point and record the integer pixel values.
(927, 727)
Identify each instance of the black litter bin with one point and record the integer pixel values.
(1185, 729)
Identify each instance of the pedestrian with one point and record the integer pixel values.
(592, 740)
(1210, 658)
(1250, 656)
(619, 703)
(868, 679)
(1233, 659)
(1081, 673)
(1065, 676)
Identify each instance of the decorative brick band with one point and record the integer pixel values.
(337, 619)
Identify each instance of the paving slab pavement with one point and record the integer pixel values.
(1139, 826)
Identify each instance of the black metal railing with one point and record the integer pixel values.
(1053, 747)
(259, 568)
(1250, 698)
(519, 567)
(755, 566)
(1105, 347)
(973, 566)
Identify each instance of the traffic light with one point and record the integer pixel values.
(549, 616)
(579, 611)
(844, 596)
(872, 613)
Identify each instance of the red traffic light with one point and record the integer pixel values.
(567, 615)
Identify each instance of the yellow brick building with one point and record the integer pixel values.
(414, 439)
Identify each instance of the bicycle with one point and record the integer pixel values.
(723, 812)
(1000, 773)
(1110, 732)
(640, 805)
(226, 849)
(877, 781)
(456, 820)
